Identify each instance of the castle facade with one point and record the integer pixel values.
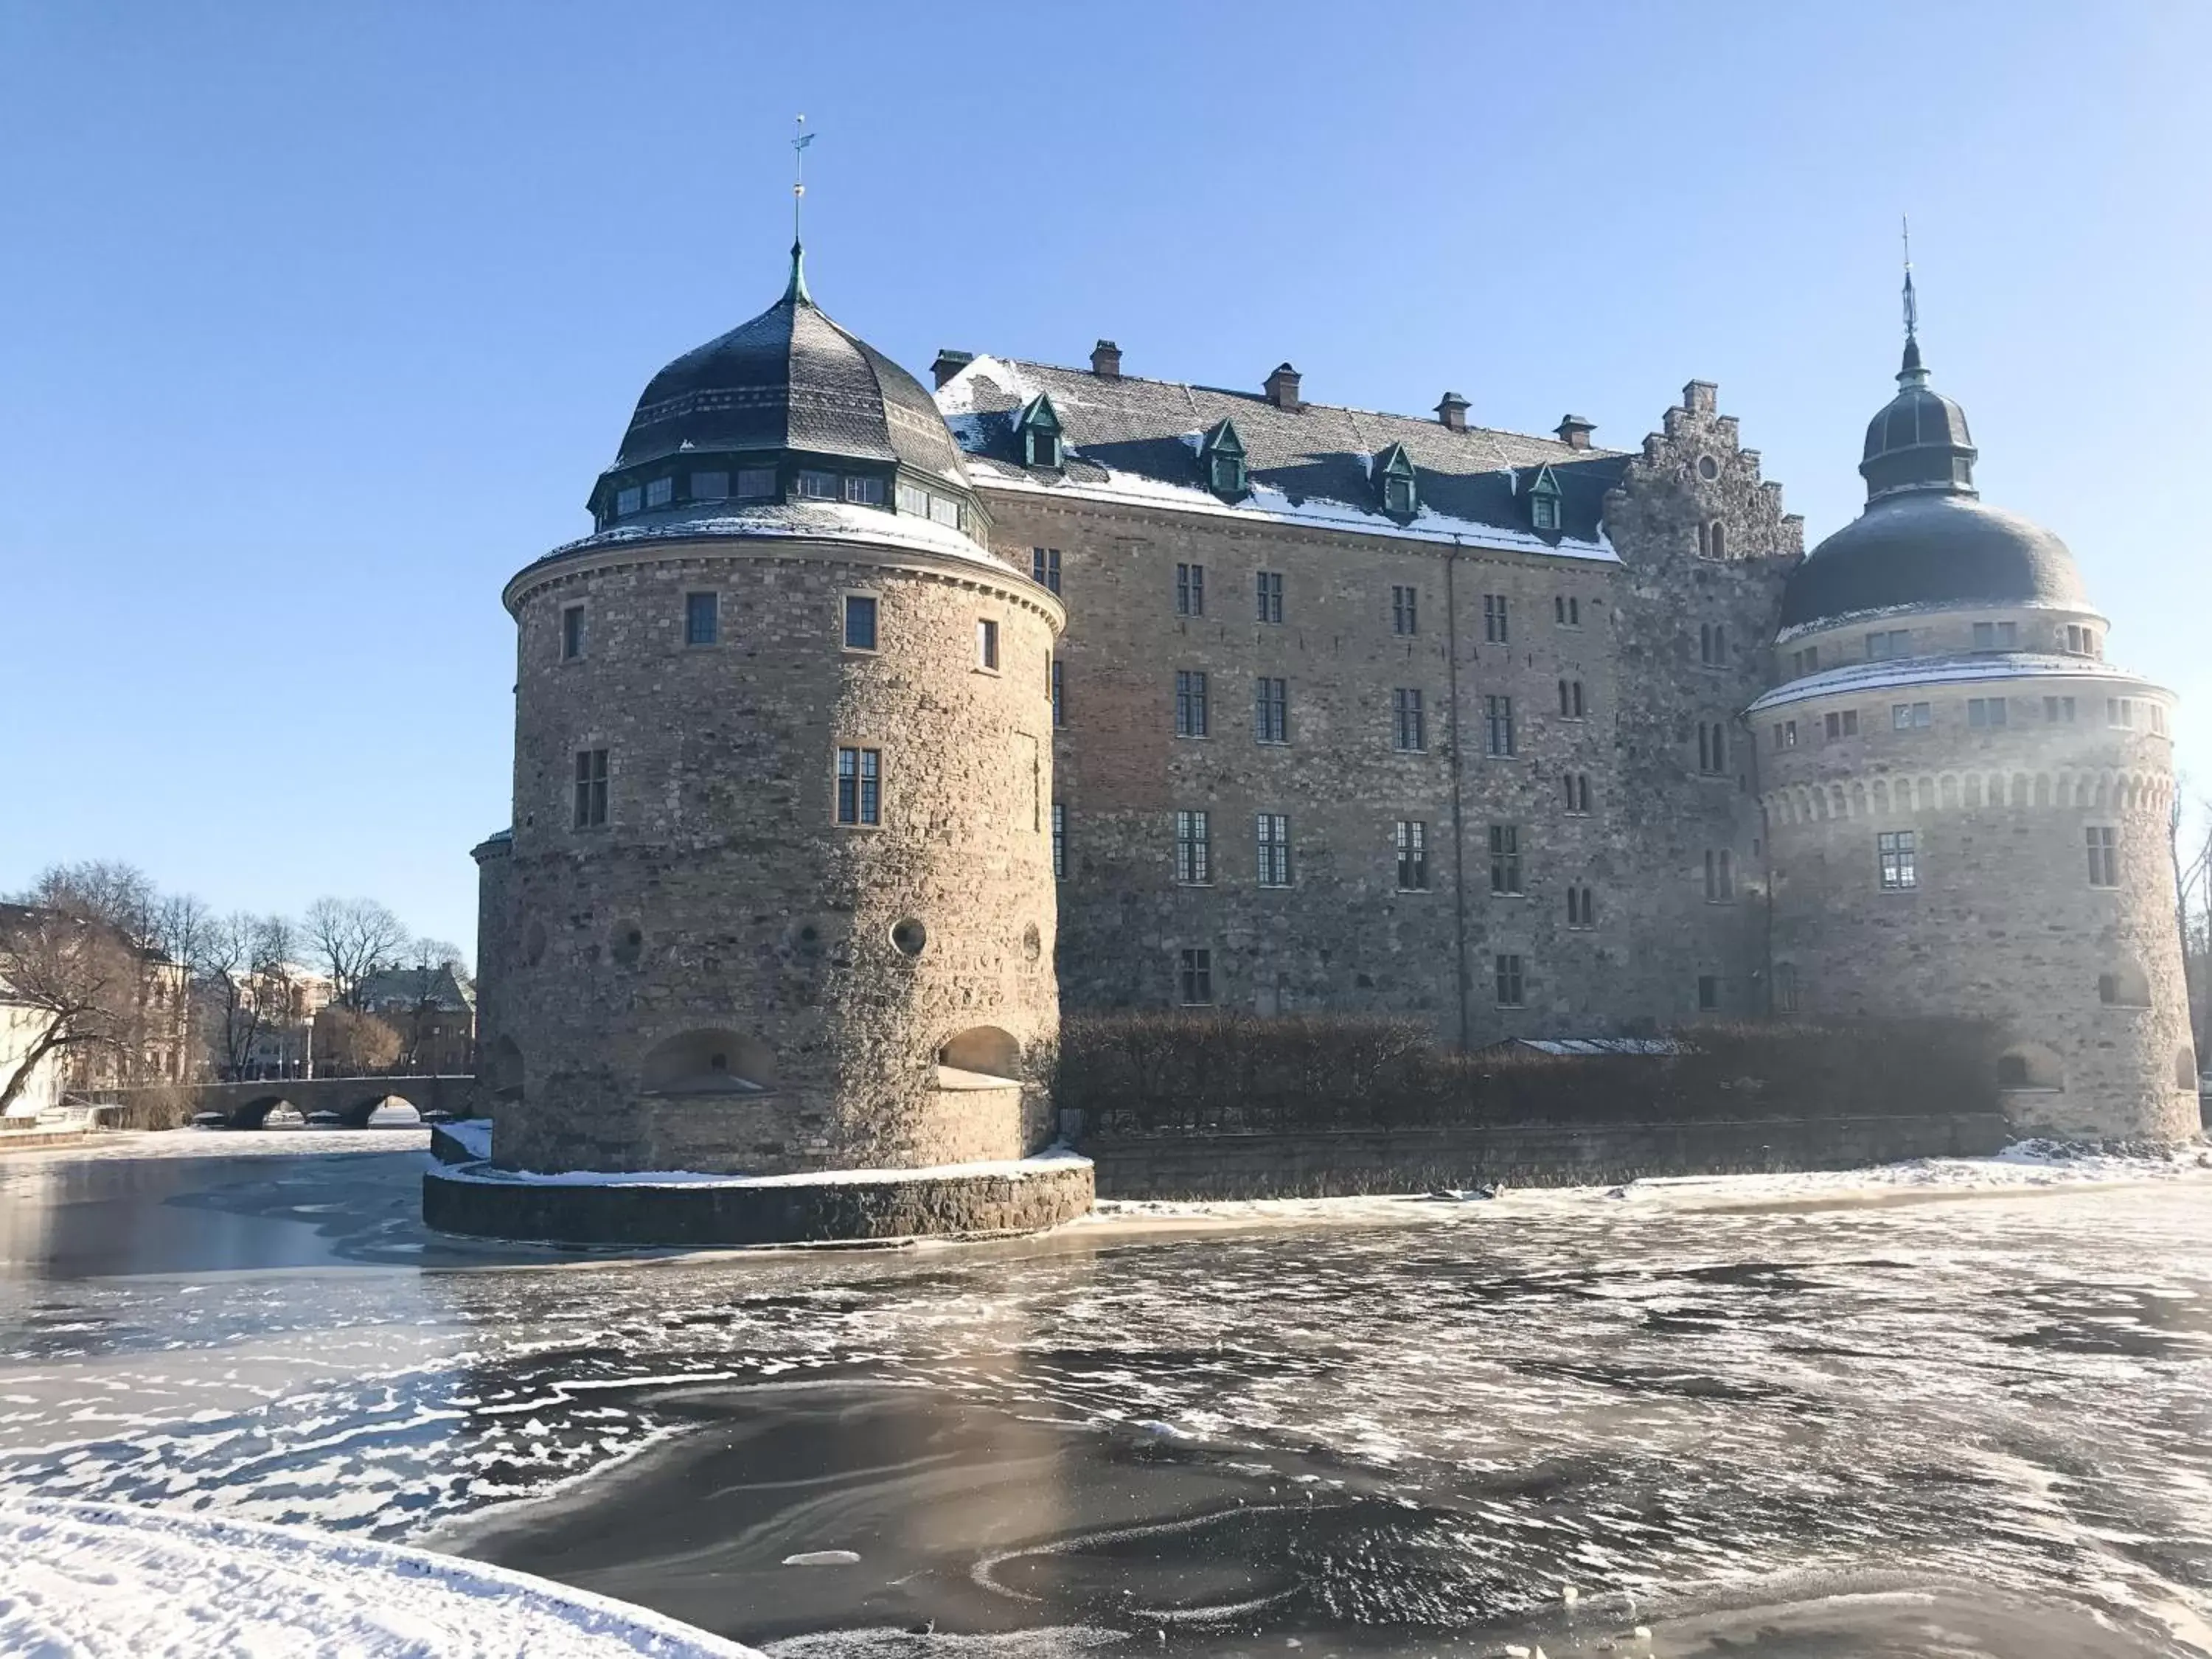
(867, 728)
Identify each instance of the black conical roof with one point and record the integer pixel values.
(792, 379)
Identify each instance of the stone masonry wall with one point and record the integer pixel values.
(721, 910)
(1343, 937)
(2003, 920)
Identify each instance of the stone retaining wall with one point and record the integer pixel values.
(1228, 1166)
(922, 1204)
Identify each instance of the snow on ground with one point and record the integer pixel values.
(2024, 1166)
(1045, 1163)
(99, 1581)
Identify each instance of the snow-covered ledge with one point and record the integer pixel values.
(98, 1578)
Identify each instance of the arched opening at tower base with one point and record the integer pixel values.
(709, 1062)
(980, 1057)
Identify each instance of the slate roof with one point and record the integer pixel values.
(414, 988)
(791, 379)
(1137, 440)
(1935, 549)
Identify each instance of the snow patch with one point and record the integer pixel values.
(88, 1580)
(1015, 1168)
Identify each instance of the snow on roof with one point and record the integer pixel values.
(830, 521)
(1882, 612)
(86, 1578)
(1132, 442)
(1570, 1046)
(1890, 673)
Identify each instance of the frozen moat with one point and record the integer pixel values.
(1769, 1419)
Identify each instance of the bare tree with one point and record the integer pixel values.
(353, 939)
(81, 978)
(121, 896)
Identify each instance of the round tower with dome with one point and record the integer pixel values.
(778, 896)
(1966, 803)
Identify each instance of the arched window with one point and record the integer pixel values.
(1719, 539)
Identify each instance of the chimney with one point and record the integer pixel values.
(1574, 431)
(949, 363)
(1106, 361)
(1452, 412)
(1282, 387)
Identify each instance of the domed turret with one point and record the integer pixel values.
(786, 407)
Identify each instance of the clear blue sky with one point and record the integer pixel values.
(317, 321)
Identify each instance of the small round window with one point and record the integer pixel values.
(1708, 468)
(910, 936)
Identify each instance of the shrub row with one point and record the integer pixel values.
(1179, 1072)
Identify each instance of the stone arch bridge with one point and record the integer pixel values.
(351, 1100)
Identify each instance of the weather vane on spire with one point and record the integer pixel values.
(798, 143)
(1912, 303)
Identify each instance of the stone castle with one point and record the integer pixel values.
(868, 726)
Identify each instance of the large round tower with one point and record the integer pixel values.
(778, 893)
(1966, 803)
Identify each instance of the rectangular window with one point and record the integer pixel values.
(1986, 711)
(1509, 987)
(1842, 723)
(1785, 987)
(1567, 610)
(1193, 848)
(1498, 725)
(913, 498)
(1712, 645)
(756, 483)
(986, 644)
(2120, 712)
(1190, 703)
(1899, 857)
(1494, 618)
(2077, 639)
(1894, 642)
(1505, 859)
(1058, 841)
(660, 492)
(1044, 566)
(1577, 793)
(710, 486)
(572, 632)
(1413, 840)
(702, 618)
(1911, 716)
(818, 486)
(1059, 692)
(591, 788)
(1195, 986)
(1274, 833)
(859, 786)
(1410, 719)
(1271, 710)
(627, 501)
(2059, 710)
(1712, 748)
(1570, 700)
(2104, 855)
(1405, 610)
(1190, 590)
(1582, 908)
(1720, 876)
(1270, 595)
(2157, 717)
(1709, 992)
(860, 621)
(1805, 662)
(864, 491)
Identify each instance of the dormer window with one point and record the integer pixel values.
(1395, 469)
(1222, 455)
(660, 492)
(1544, 503)
(1039, 430)
(627, 501)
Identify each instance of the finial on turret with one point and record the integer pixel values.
(797, 291)
(1911, 372)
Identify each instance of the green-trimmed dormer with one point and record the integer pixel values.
(1038, 429)
(1221, 454)
(1395, 482)
(1544, 503)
